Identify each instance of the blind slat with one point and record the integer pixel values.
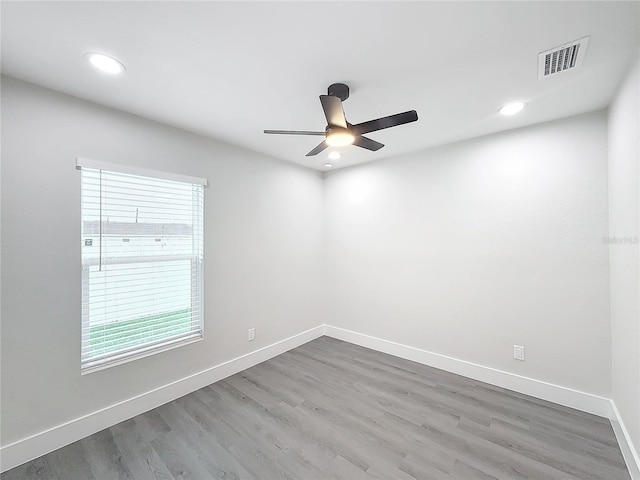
(151, 257)
(135, 312)
(114, 328)
(135, 336)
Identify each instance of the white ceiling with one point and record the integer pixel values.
(229, 70)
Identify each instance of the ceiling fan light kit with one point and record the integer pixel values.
(339, 137)
(339, 132)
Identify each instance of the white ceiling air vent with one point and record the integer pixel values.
(562, 58)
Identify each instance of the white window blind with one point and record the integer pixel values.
(142, 263)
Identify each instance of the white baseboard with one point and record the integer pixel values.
(546, 391)
(629, 452)
(44, 442)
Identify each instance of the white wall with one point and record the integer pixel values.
(624, 218)
(467, 249)
(263, 252)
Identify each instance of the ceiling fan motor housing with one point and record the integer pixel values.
(339, 90)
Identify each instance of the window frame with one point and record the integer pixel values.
(89, 364)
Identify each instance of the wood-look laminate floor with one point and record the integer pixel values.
(330, 409)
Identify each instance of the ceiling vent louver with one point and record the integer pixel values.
(562, 58)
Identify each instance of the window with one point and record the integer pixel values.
(142, 262)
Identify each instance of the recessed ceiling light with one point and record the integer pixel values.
(334, 155)
(328, 165)
(105, 63)
(511, 108)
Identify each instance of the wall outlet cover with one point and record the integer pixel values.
(518, 352)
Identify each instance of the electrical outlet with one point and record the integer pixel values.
(518, 352)
(251, 334)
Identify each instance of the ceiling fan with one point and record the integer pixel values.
(339, 132)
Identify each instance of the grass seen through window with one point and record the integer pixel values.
(112, 336)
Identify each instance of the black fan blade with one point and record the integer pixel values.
(367, 143)
(385, 122)
(293, 132)
(332, 107)
(317, 150)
